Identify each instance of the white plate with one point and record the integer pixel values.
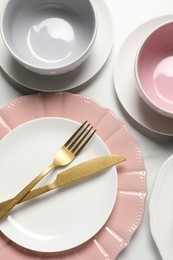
(97, 58)
(125, 82)
(161, 210)
(64, 218)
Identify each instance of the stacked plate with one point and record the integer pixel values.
(89, 220)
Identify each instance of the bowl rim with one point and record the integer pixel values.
(139, 86)
(60, 69)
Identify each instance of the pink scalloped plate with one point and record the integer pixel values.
(128, 210)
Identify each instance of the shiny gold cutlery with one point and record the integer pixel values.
(66, 154)
(71, 175)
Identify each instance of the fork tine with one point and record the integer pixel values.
(82, 142)
(77, 138)
(75, 134)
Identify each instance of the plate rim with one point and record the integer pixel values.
(153, 203)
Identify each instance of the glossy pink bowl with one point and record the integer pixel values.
(154, 69)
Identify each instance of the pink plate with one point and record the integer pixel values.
(128, 211)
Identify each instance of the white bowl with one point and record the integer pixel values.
(49, 37)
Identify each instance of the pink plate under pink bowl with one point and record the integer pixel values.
(154, 69)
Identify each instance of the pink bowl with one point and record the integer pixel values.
(154, 69)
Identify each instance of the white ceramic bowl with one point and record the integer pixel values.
(49, 37)
(154, 69)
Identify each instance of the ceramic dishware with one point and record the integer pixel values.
(153, 69)
(27, 79)
(116, 233)
(125, 83)
(49, 37)
(160, 210)
(57, 221)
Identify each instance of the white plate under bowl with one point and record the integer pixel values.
(61, 219)
(126, 85)
(161, 210)
(99, 54)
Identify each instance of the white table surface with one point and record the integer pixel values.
(126, 15)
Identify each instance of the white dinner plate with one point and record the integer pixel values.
(161, 210)
(125, 82)
(66, 217)
(99, 54)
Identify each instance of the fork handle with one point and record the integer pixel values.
(7, 208)
(32, 194)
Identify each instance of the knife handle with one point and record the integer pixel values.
(14, 201)
(32, 194)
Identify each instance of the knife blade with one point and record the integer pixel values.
(73, 174)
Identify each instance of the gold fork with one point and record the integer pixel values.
(66, 154)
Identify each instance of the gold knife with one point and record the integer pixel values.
(69, 176)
